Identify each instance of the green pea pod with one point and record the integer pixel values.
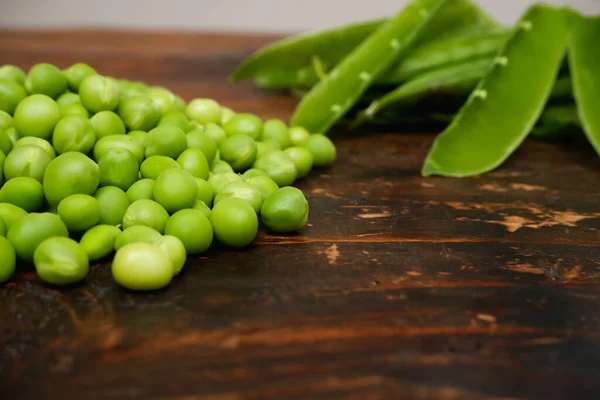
(584, 55)
(289, 56)
(333, 96)
(508, 101)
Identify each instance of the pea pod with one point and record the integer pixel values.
(584, 54)
(333, 96)
(290, 55)
(507, 103)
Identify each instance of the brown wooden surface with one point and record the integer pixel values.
(400, 287)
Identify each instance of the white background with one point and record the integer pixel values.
(226, 15)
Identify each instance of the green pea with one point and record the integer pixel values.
(286, 210)
(174, 248)
(76, 73)
(79, 212)
(322, 149)
(263, 148)
(13, 73)
(239, 151)
(202, 207)
(6, 144)
(36, 115)
(164, 99)
(140, 137)
(70, 173)
(142, 266)
(61, 261)
(217, 181)
(226, 115)
(99, 93)
(165, 140)
(3, 227)
(302, 158)
(44, 144)
(113, 204)
(235, 222)
(153, 166)
(298, 136)
(11, 94)
(28, 160)
(29, 231)
(276, 130)
(106, 143)
(138, 113)
(73, 133)
(175, 189)
(204, 111)
(215, 132)
(252, 172)
(46, 79)
(118, 167)
(6, 120)
(264, 184)
(180, 104)
(220, 167)
(74, 109)
(142, 189)
(205, 192)
(99, 241)
(194, 162)
(24, 192)
(198, 139)
(136, 234)
(241, 190)
(10, 214)
(244, 124)
(148, 213)
(2, 160)
(107, 123)
(68, 98)
(8, 259)
(175, 118)
(192, 228)
(279, 166)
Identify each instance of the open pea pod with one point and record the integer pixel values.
(508, 101)
(291, 55)
(584, 59)
(339, 91)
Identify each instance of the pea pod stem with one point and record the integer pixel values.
(584, 55)
(508, 101)
(333, 96)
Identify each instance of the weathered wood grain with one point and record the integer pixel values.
(399, 287)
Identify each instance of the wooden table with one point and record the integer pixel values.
(400, 287)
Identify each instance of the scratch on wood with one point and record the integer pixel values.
(543, 341)
(427, 185)
(384, 214)
(332, 254)
(413, 273)
(486, 317)
(492, 187)
(526, 187)
(524, 268)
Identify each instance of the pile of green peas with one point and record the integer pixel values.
(92, 167)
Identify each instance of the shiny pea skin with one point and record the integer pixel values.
(204, 111)
(268, 146)
(252, 172)
(142, 189)
(322, 149)
(279, 166)
(76, 73)
(140, 136)
(239, 151)
(198, 139)
(107, 123)
(174, 248)
(36, 115)
(24, 192)
(276, 130)
(70, 173)
(46, 79)
(235, 222)
(241, 190)
(298, 136)
(138, 113)
(99, 241)
(217, 181)
(10, 214)
(264, 184)
(67, 99)
(3, 227)
(194, 161)
(8, 259)
(215, 132)
(302, 158)
(13, 73)
(11, 94)
(99, 93)
(119, 141)
(205, 192)
(193, 229)
(226, 114)
(244, 124)
(163, 98)
(113, 203)
(27, 160)
(73, 133)
(202, 207)
(165, 140)
(175, 118)
(28, 232)
(153, 166)
(136, 234)
(79, 212)
(142, 266)
(44, 144)
(285, 210)
(61, 261)
(148, 213)
(175, 189)
(74, 109)
(118, 167)
(220, 167)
